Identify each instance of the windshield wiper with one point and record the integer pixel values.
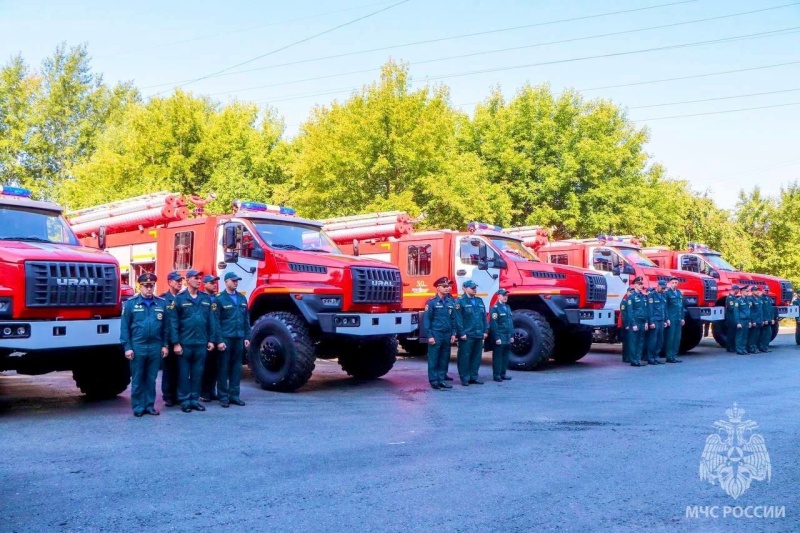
(36, 239)
(286, 246)
(319, 250)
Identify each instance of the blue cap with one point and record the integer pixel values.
(735, 287)
(147, 277)
(638, 279)
(232, 275)
(662, 284)
(192, 273)
(209, 278)
(502, 292)
(469, 284)
(174, 276)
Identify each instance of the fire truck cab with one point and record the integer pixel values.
(620, 260)
(306, 298)
(59, 301)
(701, 259)
(554, 307)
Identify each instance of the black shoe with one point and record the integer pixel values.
(764, 351)
(638, 364)
(138, 415)
(677, 360)
(237, 401)
(476, 382)
(198, 407)
(464, 383)
(168, 403)
(152, 411)
(445, 386)
(225, 404)
(448, 378)
(505, 378)
(186, 409)
(435, 386)
(499, 380)
(741, 353)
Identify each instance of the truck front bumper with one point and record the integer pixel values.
(591, 317)
(788, 311)
(55, 334)
(366, 324)
(706, 313)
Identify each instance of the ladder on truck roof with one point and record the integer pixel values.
(379, 226)
(131, 213)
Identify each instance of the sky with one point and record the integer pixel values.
(736, 138)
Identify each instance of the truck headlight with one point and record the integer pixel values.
(347, 321)
(15, 331)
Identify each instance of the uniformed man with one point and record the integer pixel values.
(743, 321)
(625, 331)
(646, 337)
(144, 337)
(768, 315)
(501, 332)
(208, 388)
(440, 325)
(193, 332)
(656, 320)
(449, 298)
(730, 317)
(472, 329)
(756, 320)
(234, 328)
(796, 301)
(675, 320)
(637, 321)
(169, 365)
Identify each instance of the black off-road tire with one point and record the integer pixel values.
(572, 344)
(719, 329)
(281, 354)
(691, 335)
(534, 341)
(370, 359)
(104, 374)
(775, 328)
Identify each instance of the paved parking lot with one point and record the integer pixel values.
(594, 446)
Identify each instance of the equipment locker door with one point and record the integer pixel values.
(468, 258)
(246, 266)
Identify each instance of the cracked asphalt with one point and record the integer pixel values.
(595, 446)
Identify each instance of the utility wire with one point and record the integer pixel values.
(295, 43)
(715, 99)
(440, 39)
(473, 54)
(718, 112)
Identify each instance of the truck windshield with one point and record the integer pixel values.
(513, 249)
(287, 236)
(635, 257)
(34, 225)
(719, 262)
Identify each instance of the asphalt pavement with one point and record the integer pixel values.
(594, 446)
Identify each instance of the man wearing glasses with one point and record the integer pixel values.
(143, 335)
(234, 324)
(193, 332)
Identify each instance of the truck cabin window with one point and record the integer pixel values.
(287, 236)
(604, 260)
(513, 249)
(34, 225)
(470, 250)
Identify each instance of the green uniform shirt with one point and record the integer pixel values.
(501, 323)
(193, 320)
(755, 310)
(744, 316)
(234, 319)
(470, 316)
(143, 323)
(767, 308)
(730, 306)
(636, 309)
(656, 307)
(674, 304)
(438, 316)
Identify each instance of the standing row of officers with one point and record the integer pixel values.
(463, 319)
(198, 338)
(749, 316)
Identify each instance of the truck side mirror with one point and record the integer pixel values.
(483, 264)
(615, 270)
(628, 269)
(499, 262)
(715, 274)
(257, 254)
(231, 257)
(101, 238)
(229, 238)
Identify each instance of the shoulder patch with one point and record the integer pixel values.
(494, 315)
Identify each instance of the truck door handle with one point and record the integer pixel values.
(461, 272)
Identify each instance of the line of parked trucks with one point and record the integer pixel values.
(350, 288)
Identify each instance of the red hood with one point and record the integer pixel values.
(18, 251)
(329, 260)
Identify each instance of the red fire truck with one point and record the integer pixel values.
(554, 307)
(701, 259)
(620, 260)
(59, 301)
(306, 298)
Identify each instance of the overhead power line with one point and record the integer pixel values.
(715, 99)
(440, 39)
(473, 54)
(788, 104)
(295, 43)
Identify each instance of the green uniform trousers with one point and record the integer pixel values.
(208, 387)
(229, 369)
(672, 339)
(636, 342)
(655, 342)
(500, 355)
(169, 376)
(144, 371)
(470, 353)
(752, 339)
(190, 367)
(765, 337)
(741, 339)
(730, 341)
(625, 340)
(438, 358)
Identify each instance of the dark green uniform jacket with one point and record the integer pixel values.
(234, 319)
(193, 320)
(144, 324)
(656, 307)
(501, 324)
(470, 316)
(674, 305)
(438, 317)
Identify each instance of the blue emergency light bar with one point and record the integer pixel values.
(475, 226)
(264, 208)
(5, 190)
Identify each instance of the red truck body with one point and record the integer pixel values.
(59, 301)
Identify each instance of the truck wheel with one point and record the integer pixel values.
(775, 328)
(719, 328)
(104, 374)
(533, 341)
(414, 348)
(281, 354)
(572, 344)
(691, 335)
(370, 359)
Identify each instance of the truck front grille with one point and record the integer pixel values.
(709, 289)
(787, 291)
(376, 285)
(596, 288)
(63, 284)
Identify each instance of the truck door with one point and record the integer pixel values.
(235, 251)
(608, 262)
(475, 260)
